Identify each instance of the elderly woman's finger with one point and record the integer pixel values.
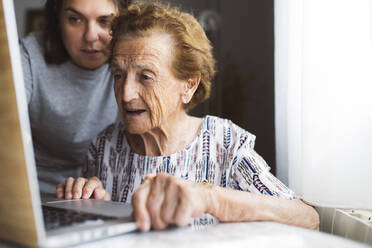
(149, 176)
(68, 188)
(90, 186)
(170, 202)
(77, 188)
(183, 213)
(155, 201)
(139, 199)
(60, 191)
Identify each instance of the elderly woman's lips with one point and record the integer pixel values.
(135, 112)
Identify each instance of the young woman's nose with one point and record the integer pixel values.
(91, 32)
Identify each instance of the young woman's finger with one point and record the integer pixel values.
(90, 186)
(68, 188)
(77, 188)
(60, 191)
(101, 194)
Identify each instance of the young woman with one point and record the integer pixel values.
(69, 85)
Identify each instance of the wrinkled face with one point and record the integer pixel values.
(147, 93)
(85, 26)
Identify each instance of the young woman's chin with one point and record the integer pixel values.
(90, 64)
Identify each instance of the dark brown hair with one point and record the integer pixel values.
(192, 50)
(54, 50)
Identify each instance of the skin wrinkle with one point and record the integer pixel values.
(160, 97)
(230, 205)
(149, 139)
(154, 202)
(156, 105)
(158, 135)
(123, 61)
(169, 203)
(155, 102)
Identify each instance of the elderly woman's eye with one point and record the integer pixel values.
(117, 76)
(146, 77)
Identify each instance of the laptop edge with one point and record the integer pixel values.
(25, 198)
(21, 218)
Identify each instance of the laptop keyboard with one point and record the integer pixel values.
(59, 217)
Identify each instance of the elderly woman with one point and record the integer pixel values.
(171, 166)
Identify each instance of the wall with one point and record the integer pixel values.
(244, 86)
(21, 6)
(247, 68)
(323, 71)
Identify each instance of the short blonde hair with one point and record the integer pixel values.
(192, 49)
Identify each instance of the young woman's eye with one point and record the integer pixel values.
(105, 22)
(74, 19)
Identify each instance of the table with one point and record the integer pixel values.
(252, 234)
(249, 234)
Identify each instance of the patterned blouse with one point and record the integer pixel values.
(221, 154)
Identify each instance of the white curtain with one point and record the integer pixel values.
(323, 98)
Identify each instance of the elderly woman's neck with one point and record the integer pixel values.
(169, 138)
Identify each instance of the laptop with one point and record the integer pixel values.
(23, 218)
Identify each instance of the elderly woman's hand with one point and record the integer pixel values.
(82, 188)
(164, 199)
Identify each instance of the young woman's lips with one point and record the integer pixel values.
(91, 52)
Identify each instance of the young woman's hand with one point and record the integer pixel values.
(82, 188)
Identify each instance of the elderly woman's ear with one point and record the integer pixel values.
(189, 88)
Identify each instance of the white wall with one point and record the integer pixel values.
(323, 73)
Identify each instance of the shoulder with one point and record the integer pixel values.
(110, 131)
(110, 135)
(32, 52)
(108, 140)
(32, 43)
(227, 132)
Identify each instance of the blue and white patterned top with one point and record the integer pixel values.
(221, 154)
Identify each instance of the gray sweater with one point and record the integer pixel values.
(68, 106)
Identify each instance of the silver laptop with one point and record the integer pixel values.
(23, 218)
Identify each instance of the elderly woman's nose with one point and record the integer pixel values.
(91, 32)
(130, 90)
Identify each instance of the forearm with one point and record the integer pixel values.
(236, 206)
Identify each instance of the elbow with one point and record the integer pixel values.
(312, 219)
